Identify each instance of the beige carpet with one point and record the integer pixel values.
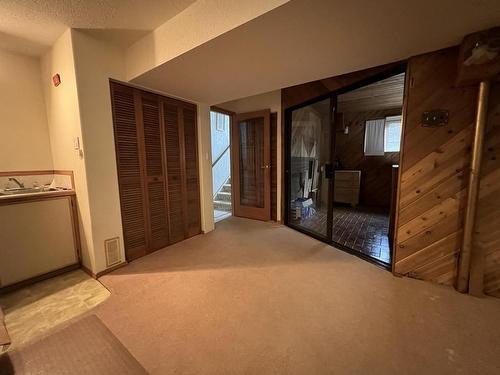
(84, 347)
(260, 298)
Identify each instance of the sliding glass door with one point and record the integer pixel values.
(309, 168)
(341, 163)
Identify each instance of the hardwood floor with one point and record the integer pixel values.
(362, 229)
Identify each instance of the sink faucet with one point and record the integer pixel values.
(20, 184)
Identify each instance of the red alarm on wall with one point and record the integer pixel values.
(56, 79)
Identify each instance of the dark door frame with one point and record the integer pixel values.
(400, 68)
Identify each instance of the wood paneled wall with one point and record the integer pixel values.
(434, 167)
(294, 95)
(376, 171)
(487, 230)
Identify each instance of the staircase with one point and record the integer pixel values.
(222, 200)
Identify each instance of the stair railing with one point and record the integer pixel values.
(216, 191)
(220, 156)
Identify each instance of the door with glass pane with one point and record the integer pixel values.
(309, 168)
(251, 165)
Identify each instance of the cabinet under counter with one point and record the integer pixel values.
(38, 237)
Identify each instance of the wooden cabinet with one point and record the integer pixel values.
(157, 161)
(346, 187)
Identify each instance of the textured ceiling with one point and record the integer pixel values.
(306, 40)
(30, 26)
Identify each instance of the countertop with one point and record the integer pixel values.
(14, 198)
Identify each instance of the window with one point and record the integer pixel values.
(382, 135)
(392, 134)
(374, 137)
(220, 121)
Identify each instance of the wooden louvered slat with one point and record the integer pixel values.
(192, 189)
(129, 171)
(274, 165)
(174, 177)
(156, 152)
(155, 179)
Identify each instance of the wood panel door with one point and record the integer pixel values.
(130, 170)
(252, 165)
(172, 118)
(191, 180)
(157, 162)
(154, 171)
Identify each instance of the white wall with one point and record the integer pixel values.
(49, 119)
(269, 100)
(95, 63)
(197, 24)
(63, 116)
(205, 165)
(24, 139)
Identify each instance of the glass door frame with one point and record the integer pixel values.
(288, 161)
(396, 68)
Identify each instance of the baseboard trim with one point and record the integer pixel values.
(104, 272)
(111, 269)
(32, 280)
(88, 272)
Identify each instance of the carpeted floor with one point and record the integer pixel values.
(84, 347)
(260, 298)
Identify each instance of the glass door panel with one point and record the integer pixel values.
(309, 134)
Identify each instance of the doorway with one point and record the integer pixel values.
(341, 166)
(220, 127)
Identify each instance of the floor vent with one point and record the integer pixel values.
(112, 249)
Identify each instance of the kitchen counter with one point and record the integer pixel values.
(13, 198)
(39, 232)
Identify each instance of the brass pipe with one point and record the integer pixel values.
(462, 284)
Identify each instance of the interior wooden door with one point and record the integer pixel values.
(251, 175)
(154, 171)
(157, 161)
(191, 180)
(130, 170)
(172, 115)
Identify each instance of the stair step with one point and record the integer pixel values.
(226, 188)
(222, 205)
(223, 196)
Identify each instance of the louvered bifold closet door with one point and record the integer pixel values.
(130, 171)
(193, 220)
(155, 172)
(172, 119)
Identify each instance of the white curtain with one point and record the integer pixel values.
(374, 137)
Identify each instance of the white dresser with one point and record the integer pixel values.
(346, 186)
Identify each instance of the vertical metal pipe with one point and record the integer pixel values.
(473, 188)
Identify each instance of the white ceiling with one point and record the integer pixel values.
(31, 26)
(305, 40)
